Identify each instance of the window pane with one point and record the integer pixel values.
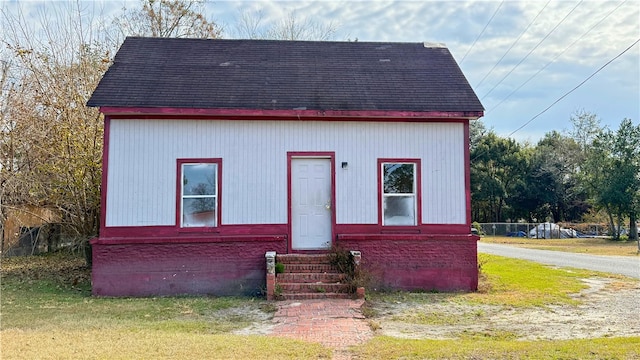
(399, 210)
(398, 178)
(199, 179)
(199, 212)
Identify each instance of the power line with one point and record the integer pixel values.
(514, 43)
(532, 50)
(574, 89)
(556, 57)
(566, 94)
(482, 32)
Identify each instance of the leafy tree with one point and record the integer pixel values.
(586, 127)
(610, 172)
(50, 142)
(497, 165)
(477, 130)
(550, 187)
(624, 189)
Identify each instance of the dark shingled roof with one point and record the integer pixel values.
(284, 75)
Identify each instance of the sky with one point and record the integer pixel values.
(531, 63)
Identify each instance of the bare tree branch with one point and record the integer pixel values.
(168, 18)
(292, 27)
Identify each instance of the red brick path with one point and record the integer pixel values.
(336, 323)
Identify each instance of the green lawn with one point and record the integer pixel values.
(391, 348)
(507, 283)
(592, 246)
(47, 312)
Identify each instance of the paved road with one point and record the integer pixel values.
(624, 265)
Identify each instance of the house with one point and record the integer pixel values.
(218, 151)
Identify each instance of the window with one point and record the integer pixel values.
(399, 192)
(199, 193)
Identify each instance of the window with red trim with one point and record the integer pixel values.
(399, 192)
(199, 192)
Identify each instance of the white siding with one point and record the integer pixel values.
(143, 153)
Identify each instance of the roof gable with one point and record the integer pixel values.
(284, 75)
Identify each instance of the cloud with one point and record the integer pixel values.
(590, 35)
(565, 60)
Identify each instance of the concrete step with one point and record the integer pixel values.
(315, 295)
(319, 287)
(309, 268)
(310, 277)
(302, 259)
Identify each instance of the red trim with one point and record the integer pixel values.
(312, 155)
(266, 118)
(467, 172)
(418, 164)
(179, 163)
(188, 239)
(407, 237)
(391, 115)
(288, 203)
(106, 132)
(172, 231)
(119, 232)
(425, 229)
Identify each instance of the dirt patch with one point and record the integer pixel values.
(608, 308)
(260, 320)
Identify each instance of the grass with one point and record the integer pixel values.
(383, 347)
(506, 282)
(591, 246)
(429, 317)
(47, 312)
(520, 283)
(151, 344)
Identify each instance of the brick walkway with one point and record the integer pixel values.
(335, 323)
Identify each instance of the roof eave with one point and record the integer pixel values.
(300, 114)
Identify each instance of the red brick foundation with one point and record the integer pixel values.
(443, 263)
(155, 269)
(151, 267)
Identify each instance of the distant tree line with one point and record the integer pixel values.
(590, 173)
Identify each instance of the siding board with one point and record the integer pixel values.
(143, 153)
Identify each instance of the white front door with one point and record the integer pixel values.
(311, 203)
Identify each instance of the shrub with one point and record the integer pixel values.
(356, 276)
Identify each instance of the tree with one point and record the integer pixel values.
(168, 18)
(550, 187)
(477, 130)
(610, 172)
(50, 142)
(291, 27)
(586, 127)
(497, 165)
(625, 184)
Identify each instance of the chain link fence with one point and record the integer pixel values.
(542, 230)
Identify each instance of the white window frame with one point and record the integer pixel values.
(182, 163)
(414, 194)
